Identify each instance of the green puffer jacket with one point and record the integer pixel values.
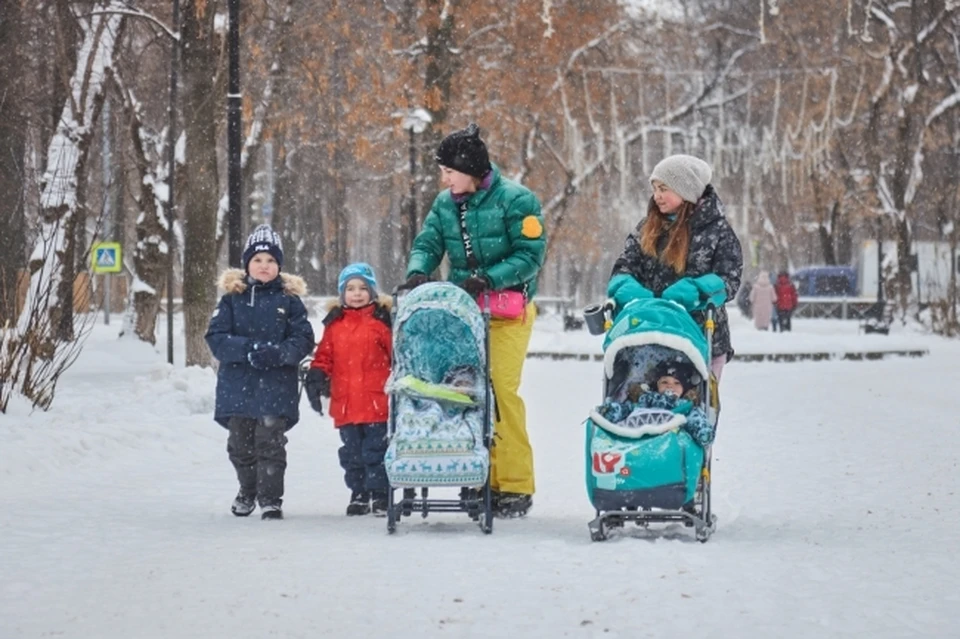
(506, 228)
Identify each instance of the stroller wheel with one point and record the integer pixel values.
(486, 525)
(597, 531)
(393, 510)
(406, 506)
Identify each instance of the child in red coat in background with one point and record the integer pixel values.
(351, 366)
(786, 300)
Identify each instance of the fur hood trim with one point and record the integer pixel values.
(234, 280)
(383, 301)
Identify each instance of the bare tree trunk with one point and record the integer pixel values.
(201, 184)
(336, 166)
(826, 244)
(844, 241)
(442, 63)
(62, 199)
(12, 148)
(151, 253)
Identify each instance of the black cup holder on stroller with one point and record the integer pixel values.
(598, 317)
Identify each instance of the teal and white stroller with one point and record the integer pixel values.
(440, 424)
(646, 468)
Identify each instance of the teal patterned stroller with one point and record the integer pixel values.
(648, 468)
(440, 424)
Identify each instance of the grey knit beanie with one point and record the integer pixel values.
(685, 175)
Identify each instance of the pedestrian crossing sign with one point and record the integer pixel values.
(106, 257)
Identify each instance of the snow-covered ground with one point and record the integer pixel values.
(835, 484)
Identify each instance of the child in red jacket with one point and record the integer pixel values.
(351, 366)
(786, 300)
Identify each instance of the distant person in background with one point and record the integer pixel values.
(762, 299)
(786, 300)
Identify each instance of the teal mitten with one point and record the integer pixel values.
(625, 288)
(712, 290)
(683, 407)
(684, 292)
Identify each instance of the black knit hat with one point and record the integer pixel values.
(683, 372)
(263, 240)
(464, 151)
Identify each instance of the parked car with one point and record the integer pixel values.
(826, 281)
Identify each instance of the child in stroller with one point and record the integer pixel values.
(648, 445)
(674, 386)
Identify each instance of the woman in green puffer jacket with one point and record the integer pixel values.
(491, 230)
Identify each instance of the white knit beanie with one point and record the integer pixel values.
(685, 175)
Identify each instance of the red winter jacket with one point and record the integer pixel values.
(355, 352)
(786, 293)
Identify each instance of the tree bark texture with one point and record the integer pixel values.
(202, 106)
(12, 147)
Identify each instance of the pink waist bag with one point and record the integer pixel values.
(504, 304)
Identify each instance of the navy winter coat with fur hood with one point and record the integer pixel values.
(254, 313)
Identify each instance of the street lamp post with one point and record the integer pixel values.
(415, 121)
(234, 102)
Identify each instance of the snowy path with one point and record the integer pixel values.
(838, 508)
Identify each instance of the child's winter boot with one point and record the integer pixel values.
(243, 504)
(271, 511)
(379, 503)
(359, 504)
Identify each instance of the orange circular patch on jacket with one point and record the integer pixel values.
(531, 227)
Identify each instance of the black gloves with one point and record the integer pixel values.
(264, 356)
(317, 384)
(475, 285)
(413, 282)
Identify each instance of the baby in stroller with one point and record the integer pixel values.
(673, 386)
(648, 443)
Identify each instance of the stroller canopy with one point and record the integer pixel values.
(438, 327)
(656, 321)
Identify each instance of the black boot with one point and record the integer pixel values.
(379, 503)
(243, 504)
(468, 495)
(511, 505)
(359, 504)
(271, 511)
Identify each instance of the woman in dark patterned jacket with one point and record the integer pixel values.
(684, 250)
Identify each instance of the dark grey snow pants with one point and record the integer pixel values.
(257, 449)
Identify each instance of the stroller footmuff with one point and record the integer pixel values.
(440, 418)
(647, 453)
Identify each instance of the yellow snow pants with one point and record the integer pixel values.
(511, 457)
